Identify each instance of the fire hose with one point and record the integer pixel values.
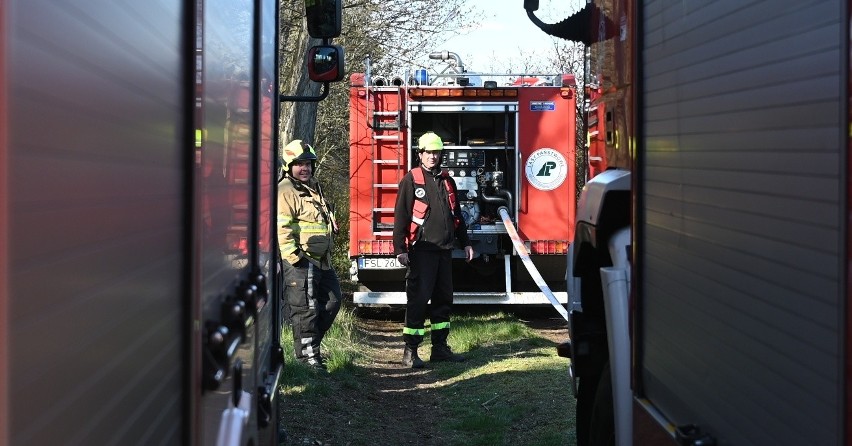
(525, 257)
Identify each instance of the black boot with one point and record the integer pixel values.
(316, 361)
(440, 350)
(312, 357)
(410, 358)
(443, 353)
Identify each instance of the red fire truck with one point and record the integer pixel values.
(712, 263)
(509, 144)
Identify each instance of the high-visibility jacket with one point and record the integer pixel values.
(305, 223)
(427, 213)
(420, 206)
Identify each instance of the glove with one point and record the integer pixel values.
(468, 253)
(403, 258)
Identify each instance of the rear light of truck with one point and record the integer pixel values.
(547, 247)
(375, 246)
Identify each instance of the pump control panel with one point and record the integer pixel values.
(463, 158)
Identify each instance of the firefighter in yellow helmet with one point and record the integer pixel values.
(427, 224)
(306, 230)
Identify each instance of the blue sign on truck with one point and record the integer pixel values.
(542, 106)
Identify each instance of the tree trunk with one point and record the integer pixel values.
(297, 119)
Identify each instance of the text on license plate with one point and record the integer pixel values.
(379, 263)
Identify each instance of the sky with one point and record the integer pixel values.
(505, 34)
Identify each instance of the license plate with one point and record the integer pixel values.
(379, 263)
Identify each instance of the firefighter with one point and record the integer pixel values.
(427, 223)
(306, 227)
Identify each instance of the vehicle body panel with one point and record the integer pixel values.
(742, 219)
(132, 158)
(740, 214)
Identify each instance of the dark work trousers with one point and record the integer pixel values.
(429, 277)
(313, 295)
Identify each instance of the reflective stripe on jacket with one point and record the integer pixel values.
(305, 227)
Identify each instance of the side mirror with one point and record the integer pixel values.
(326, 63)
(325, 18)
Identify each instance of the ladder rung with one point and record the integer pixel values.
(386, 113)
(383, 209)
(388, 233)
(385, 161)
(387, 137)
(386, 185)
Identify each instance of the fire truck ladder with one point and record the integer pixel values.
(386, 128)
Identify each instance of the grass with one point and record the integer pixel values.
(513, 389)
(519, 385)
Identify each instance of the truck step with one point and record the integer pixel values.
(396, 137)
(386, 120)
(390, 162)
(386, 186)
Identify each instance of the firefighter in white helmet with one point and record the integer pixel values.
(427, 224)
(306, 227)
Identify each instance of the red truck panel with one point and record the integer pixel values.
(376, 164)
(547, 142)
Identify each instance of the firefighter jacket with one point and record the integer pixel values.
(439, 230)
(305, 223)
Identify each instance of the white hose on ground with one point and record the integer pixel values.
(525, 257)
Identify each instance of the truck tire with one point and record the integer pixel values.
(602, 425)
(586, 390)
(591, 292)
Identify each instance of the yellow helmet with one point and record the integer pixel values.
(297, 150)
(431, 142)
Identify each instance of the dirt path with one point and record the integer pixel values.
(386, 403)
